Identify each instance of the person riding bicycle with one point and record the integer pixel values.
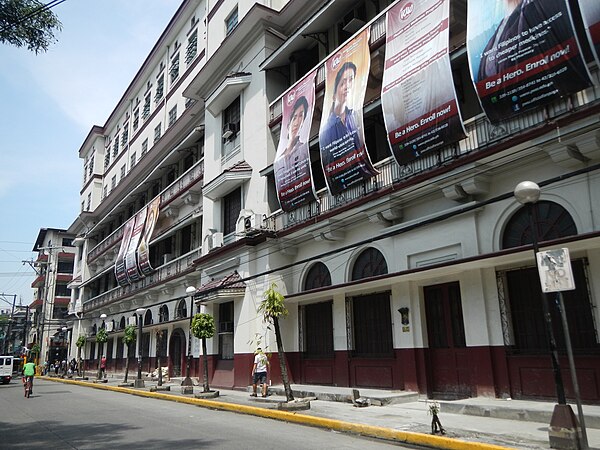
(28, 373)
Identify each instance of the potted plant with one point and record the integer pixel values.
(101, 338)
(81, 340)
(129, 339)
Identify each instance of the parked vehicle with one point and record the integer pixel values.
(6, 368)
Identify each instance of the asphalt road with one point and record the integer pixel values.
(60, 416)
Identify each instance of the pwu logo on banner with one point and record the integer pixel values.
(335, 61)
(407, 10)
(291, 97)
(554, 267)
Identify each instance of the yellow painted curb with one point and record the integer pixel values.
(332, 424)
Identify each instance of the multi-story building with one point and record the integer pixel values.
(413, 270)
(48, 311)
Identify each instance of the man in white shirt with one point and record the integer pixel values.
(259, 372)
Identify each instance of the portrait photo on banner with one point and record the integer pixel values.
(344, 155)
(292, 166)
(522, 54)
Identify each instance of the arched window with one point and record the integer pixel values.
(181, 309)
(94, 330)
(317, 276)
(553, 222)
(148, 317)
(163, 314)
(369, 263)
(122, 323)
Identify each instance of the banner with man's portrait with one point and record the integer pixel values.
(120, 271)
(133, 274)
(522, 54)
(342, 144)
(418, 98)
(144, 246)
(293, 173)
(590, 11)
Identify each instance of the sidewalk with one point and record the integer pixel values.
(483, 423)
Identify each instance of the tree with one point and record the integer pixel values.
(159, 335)
(35, 351)
(101, 338)
(272, 308)
(79, 343)
(28, 23)
(203, 327)
(129, 339)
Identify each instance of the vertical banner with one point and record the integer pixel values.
(418, 97)
(144, 247)
(293, 174)
(344, 154)
(590, 11)
(133, 273)
(522, 54)
(120, 272)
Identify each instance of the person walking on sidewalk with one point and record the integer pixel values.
(103, 367)
(259, 372)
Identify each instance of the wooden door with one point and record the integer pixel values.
(448, 364)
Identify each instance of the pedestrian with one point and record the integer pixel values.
(103, 367)
(259, 372)
(73, 366)
(56, 367)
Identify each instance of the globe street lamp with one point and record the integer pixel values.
(187, 383)
(139, 383)
(66, 342)
(528, 193)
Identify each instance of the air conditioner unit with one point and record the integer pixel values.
(355, 19)
(253, 222)
(217, 240)
(131, 320)
(109, 327)
(229, 130)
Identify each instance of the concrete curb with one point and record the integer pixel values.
(320, 422)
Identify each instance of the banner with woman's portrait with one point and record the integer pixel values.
(590, 11)
(120, 271)
(418, 98)
(293, 173)
(342, 144)
(522, 54)
(144, 247)
(133, 274)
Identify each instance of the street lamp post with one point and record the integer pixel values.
(100, 349)
(139, 383)
(528, 193)
(66, 359)
(187, 385)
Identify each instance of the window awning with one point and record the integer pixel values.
(228, 288)
(229, 179)
(228, 90)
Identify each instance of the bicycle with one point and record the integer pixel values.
(28, 386)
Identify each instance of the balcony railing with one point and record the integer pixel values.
(171, 270)
(481, 134)
(180, 185)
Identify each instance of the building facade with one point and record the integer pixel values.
(419, 276)
(49, 321)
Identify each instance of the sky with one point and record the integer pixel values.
(48, 104)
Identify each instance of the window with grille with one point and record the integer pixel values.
(105, 192)
(157, 132)
(146, 110)
(192, 47)
(123, 171)
(113, 182)
(163, 314)
(136, 119)
(231, 118)
(89, 202)
(317, 276)
(145, 147)
(372, 325)
(174, 68)
(172, 115)
(318, 330)
(181, 310)
(370, 263)
(231, 21)
(116, 146)
(133, 161)
(125, 137)
(225, 330)
(160, 87)
(107, 158)
(232, 205)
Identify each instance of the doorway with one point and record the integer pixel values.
(447, 357)
(176, 347)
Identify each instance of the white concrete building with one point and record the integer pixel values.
(419, 278)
